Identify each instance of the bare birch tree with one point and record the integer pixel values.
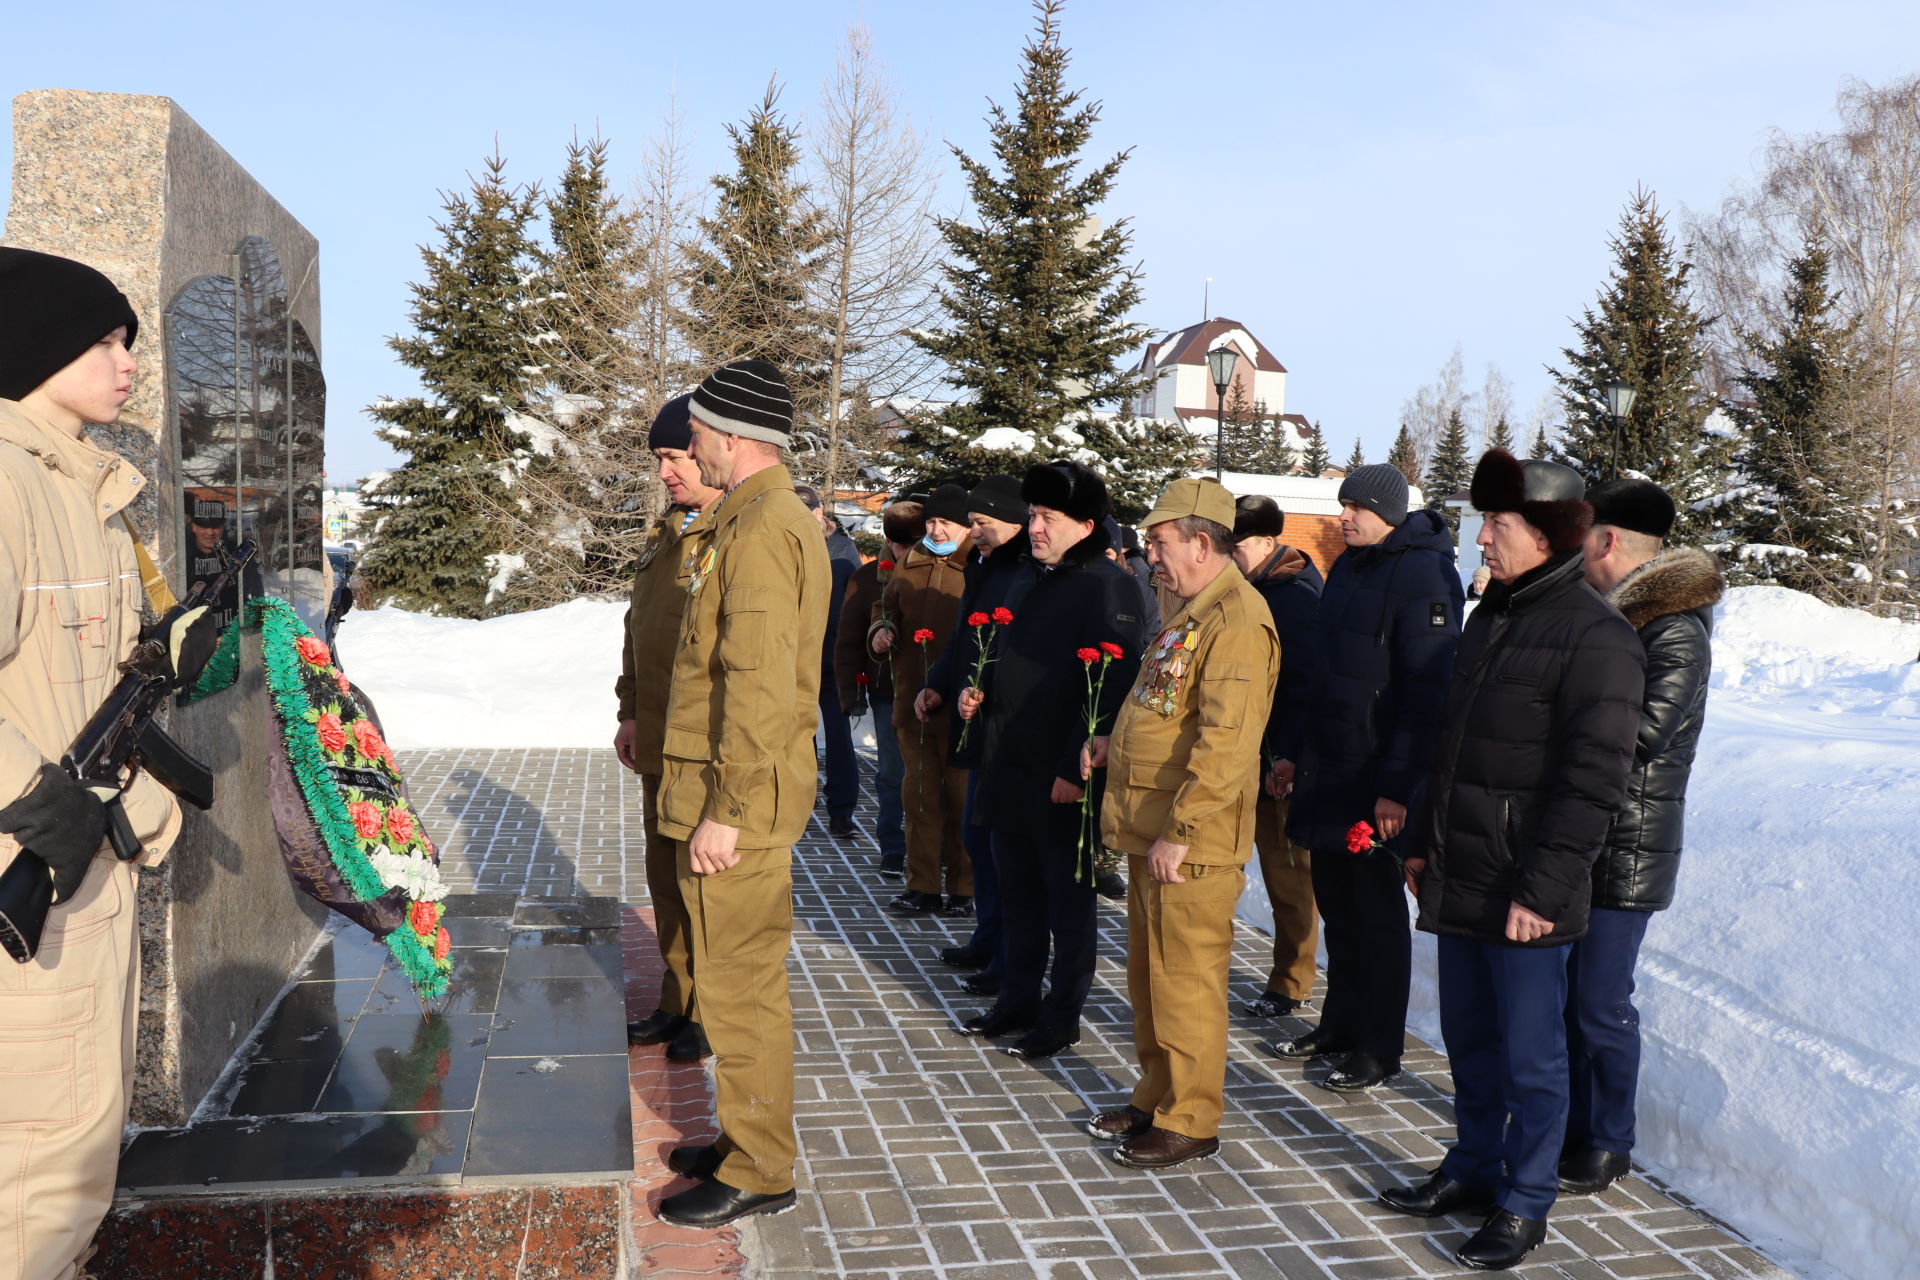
(1425, 413)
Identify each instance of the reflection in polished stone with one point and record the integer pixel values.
(557, 1115)
(552, 1016)
(220, 1154)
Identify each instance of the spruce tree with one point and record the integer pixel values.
(1501, 434)
(1314, 459)
(1358, 458)
(1799, 524)
(754, 268)
(1542, 447)
(1136, 456)
(1035, 300)
(1644, 332)
(1405, 456)
(436, 544)
(1451, 468)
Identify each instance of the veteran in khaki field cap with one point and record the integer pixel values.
(1183, 773)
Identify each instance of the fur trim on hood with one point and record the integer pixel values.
(1678, 580)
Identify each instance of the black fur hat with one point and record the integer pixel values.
(1547, 495)
(1258, 516)
(1070, 488)
(1639, 505)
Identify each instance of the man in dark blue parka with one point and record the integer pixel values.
(1389, 623)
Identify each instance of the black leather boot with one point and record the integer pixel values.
(1587, 1171)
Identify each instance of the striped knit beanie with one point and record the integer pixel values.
(746, 398)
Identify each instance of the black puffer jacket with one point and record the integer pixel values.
(1037, 689)
(1669, 601)
(1389, 621)
(1530, 763)
(1000, 580)
(1290, 584)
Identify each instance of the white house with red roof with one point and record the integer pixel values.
(1182, 386)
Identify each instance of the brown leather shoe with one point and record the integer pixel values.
(1162, 1149)
(1119, 1125)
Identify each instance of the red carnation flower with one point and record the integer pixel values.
(1003, 615)
(366, 736)
(342, 683)
(366, 819)
(1360, 837)
(333, 736)
(1112, 650)
(860, 678)
(441, 944)
(1088, 656)
(423, 918)
(978, 619)
(400, 826)
(922, 636)
(886, 566)
(313, 651)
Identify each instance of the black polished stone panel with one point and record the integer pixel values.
(312, 1021)
(568, 913)
(473, 985)
(563, 953)
(351, 954)
(464, 931)
(573, 1116)
(405, 1062)
(221, 1154)
(281, 1088)
(554, 1017)
(489, 906)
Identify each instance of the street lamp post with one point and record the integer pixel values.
(1220, 363)
(1619, 404)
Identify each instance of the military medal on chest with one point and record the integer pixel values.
(700, 575)
(1164, 673)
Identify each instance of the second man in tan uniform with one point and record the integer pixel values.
(1183, 773)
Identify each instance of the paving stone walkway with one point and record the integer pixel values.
(932, 1157)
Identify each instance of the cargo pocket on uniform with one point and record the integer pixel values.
(46, 1076)
(97, 902)
(743, 628)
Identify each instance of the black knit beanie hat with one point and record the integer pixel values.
(999, 497)
(746, 398)
(672, 427)
(948, 502)
(51, 310)
(1380, 488)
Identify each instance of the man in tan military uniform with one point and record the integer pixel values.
(739, 781)
(1183, 773)
(69, 612)
(654, 609)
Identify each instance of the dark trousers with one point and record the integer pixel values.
(843, 768)
(1502, 1015)
(987, 931)
(1603, 1030)
(1363, 911)
(1041, 902)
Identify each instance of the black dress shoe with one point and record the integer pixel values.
(1271, 1005)
(1359, 1072)
(914, 903)
(965, 957)
(1588, 1171)
(657, 1027)
(1501, 1243)
(713, 1203)
(1313, 1044)
(1111, 885)
(981, 984)
(1043, 1042)
(1163, 1149)
(842, 827)
(1437, 1197)
(893, 866)
(958, 904)
(993, 1023)
(1120, 1124)
(690, 1045)
(695, 1160)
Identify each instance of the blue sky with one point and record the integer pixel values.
(1367, 185)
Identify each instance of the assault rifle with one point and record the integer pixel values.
(120, 740)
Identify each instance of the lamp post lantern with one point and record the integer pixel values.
(1220, 364)
(1620, 398)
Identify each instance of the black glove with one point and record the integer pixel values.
(190, 643)
(62, 822)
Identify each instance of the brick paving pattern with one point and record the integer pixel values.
(925, 1156)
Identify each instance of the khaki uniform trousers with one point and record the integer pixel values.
(1179, 951)
(669, 908)
(741, 924)
(1288, 871)
(67, 1022)
(934, 796)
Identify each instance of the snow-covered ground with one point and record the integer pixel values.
(1781, 1087)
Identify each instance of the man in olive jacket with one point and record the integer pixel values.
(1183, 776)
(739, 781)
(655, 606)
(1668, 595)
(1529, 767)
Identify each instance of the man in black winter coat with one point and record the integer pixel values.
(1667, 596)
(842, 767)
(1290, 583)
(1035, 708)
(1529, 768)
(997, 577)
(1389, 621)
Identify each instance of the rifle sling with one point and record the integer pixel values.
(152, 581)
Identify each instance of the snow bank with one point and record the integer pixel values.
(1781, 1080)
